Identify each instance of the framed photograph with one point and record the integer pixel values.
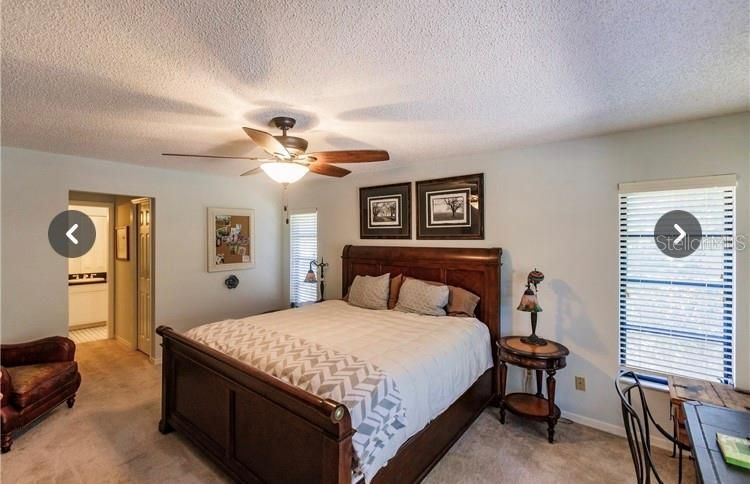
(451, 208)
(122, 242)
(385, 212)
(231, 239)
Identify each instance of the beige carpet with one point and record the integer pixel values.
(111, 436)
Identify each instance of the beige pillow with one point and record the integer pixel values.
(420, 297)
(370, 292)
(461, 302)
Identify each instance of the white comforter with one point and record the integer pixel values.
(433, 360)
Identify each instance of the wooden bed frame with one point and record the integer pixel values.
(261, 429)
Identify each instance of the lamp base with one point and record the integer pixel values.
(534, 340)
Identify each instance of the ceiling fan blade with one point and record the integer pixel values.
(217, 156)
(254, 171)
(327, 170)
(350, 156)
(266, 141)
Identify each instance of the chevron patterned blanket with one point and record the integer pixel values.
(371, 396)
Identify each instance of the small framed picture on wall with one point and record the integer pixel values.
(385, 212)
(451, 208)
(122, 242)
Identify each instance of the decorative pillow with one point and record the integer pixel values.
(461, 302)
(420, 297)
(370, 292)
(395, 288)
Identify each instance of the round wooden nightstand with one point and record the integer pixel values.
(549, 358)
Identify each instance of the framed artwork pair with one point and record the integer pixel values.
(447, 208)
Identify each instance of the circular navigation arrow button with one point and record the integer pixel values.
(71, 233)
(678, 234)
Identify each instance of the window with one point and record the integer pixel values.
(303, 248)
(677, 314)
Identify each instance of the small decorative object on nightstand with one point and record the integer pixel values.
(549, 357)
(312, 278)
(530, 304)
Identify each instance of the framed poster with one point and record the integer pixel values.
(122, 242)
(451, 208)
(385, 212)
(231, 239)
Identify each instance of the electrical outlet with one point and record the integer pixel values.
(581, 383)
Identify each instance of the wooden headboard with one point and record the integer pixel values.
(476, 270)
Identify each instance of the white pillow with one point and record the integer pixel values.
(419, 297)
(370, 292)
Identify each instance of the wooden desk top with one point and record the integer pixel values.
(703, 421)
(683, 389)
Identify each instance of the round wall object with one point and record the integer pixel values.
(231, 282)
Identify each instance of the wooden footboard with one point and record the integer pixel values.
(260, 429)
(256, 427)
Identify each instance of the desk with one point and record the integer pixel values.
(702, 423)
(683, 389)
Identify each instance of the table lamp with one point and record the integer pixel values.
(312, 278)
(530, 304)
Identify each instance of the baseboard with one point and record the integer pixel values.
(125, 343)
(75, 327)
(155, 361)
(656, 441)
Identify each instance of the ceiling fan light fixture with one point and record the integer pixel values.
(284, 172)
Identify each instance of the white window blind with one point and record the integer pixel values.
(303, 248)
(677, 314)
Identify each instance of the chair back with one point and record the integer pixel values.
(637, 424)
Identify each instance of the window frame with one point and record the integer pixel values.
(658, 379)
(289, 261)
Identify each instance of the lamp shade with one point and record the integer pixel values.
(283, 171)
(529, 302)
(310, 277)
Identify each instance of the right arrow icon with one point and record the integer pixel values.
(681, 232)
(678, 234)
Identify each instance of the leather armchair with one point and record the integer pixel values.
(36, 377)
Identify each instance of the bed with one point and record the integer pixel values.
(260, 428)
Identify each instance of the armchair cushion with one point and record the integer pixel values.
(32, 383)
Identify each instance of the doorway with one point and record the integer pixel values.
(119, 265)
(90, 315)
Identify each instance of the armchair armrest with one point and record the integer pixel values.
(6, 386)
(47, 350)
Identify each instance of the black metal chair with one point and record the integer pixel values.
(637, 428)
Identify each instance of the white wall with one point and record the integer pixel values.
(35, 188)
(554, 207)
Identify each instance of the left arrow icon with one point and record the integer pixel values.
(69, 234)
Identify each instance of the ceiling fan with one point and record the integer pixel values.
(289, 161)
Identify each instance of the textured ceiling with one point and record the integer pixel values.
(423, 79)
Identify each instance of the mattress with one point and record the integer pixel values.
(419, 364)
